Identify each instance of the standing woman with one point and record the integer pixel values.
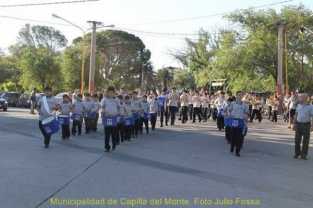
(46, 108)
(173, 99)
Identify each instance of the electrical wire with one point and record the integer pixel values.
(45, 3)
(210, 15)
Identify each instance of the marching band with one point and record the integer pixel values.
(125, 115)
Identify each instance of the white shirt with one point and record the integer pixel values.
(196, 101)
(238, 110)
(304, 113)
(110, 106)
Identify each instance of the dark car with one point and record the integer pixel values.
(3, 104)
(11, 98)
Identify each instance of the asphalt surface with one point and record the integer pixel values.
(183, 166)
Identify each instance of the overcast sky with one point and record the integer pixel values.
(138, 16)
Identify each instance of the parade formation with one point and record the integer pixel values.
(125, 115)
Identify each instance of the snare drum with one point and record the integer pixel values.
(128, 121)
(64, 119)
(50, 125)
(109, 121)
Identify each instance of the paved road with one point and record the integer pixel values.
(186, 163)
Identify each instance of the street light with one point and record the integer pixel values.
(82, 82)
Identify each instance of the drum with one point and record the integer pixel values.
(64, 119)
(50, 125)
(109, 121)
(120, 119)
(76, 117)
(92, 115)
(136, 116)
(228, 122)
(146, 116)
(237, 123)
(128, 121)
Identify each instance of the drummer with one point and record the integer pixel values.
(46, 108)
(110, 111)
(65, 109)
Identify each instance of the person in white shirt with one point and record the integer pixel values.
(46, 108)
(153, 110)
(205, 101)
(172, 103)
(184, 102)
(220, 104)
(128, 118)
(136, 107)
(196, 101)
(110, 112)
(238, 111)
(303, 126)
(190, 106)
(145, 115)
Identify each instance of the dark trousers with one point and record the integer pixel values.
(236, 139)
(162, 114)
(214, 114)
(136, 128)
(274, 117)
(144, 122)
(77, 127)
(256, 113)
(228, 134)
(172, 111)
(196, 112)
(190, 109)
(167, 115)
(205, 111)
(302, 136)
(120, 133)
(128, 132)
(269, 112)
(153, 119)
(47, 137)
(94, 123)
(66, 131)
(88, 124)
(220, 122)
(184, 112)
(110, 132)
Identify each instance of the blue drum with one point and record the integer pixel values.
(50, 125)
(129, 121)
(64, 119)
(76, 117)
(220, 112)
(92, 115)
(228, 122)
(237, 123)
(146, 116)
(109, 121)
(136, 116)
(120, 119)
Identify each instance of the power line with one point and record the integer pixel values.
(46, 3)
(211, 15)
(32, 20)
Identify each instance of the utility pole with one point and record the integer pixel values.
(280, 63)
(92, 68)
(93, 54)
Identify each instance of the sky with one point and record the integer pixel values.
(144, 18)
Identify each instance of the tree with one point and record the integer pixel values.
(41, 36)
(37, 57)
(40, 68)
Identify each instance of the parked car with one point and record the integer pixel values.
(11, 98)
(3, 104)
(24, 101)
